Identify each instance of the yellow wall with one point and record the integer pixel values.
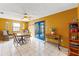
(78, 11)
(3, 24)
(60, 20)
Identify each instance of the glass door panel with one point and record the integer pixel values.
(40, 30)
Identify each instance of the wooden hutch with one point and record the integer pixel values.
(73, 39)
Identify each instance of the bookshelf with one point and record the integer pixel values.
(73, 39)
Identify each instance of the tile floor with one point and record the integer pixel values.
(35, 47)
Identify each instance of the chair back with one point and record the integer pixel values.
(14, 35)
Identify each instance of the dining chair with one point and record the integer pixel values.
(18, 40)
(27, 38)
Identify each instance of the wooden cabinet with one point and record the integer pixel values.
(56, 38)
(73, 39)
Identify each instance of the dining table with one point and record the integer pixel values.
(23, 36)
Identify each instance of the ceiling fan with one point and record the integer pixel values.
(26, 16)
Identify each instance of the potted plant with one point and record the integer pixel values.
(53, 30)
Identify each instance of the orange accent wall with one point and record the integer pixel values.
(78, 11)
(3, 24)
(60, 20)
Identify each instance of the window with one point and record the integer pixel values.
(16, 26)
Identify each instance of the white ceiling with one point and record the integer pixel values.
(15, 11)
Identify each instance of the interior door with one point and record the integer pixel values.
(40, 30)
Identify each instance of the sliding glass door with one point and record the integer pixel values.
(40, 30)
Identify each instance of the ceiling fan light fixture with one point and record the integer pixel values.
(25, 17)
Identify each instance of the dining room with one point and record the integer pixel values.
(36, 29)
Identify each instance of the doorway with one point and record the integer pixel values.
(40, 30)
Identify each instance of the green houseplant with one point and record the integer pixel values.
(53, 30)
